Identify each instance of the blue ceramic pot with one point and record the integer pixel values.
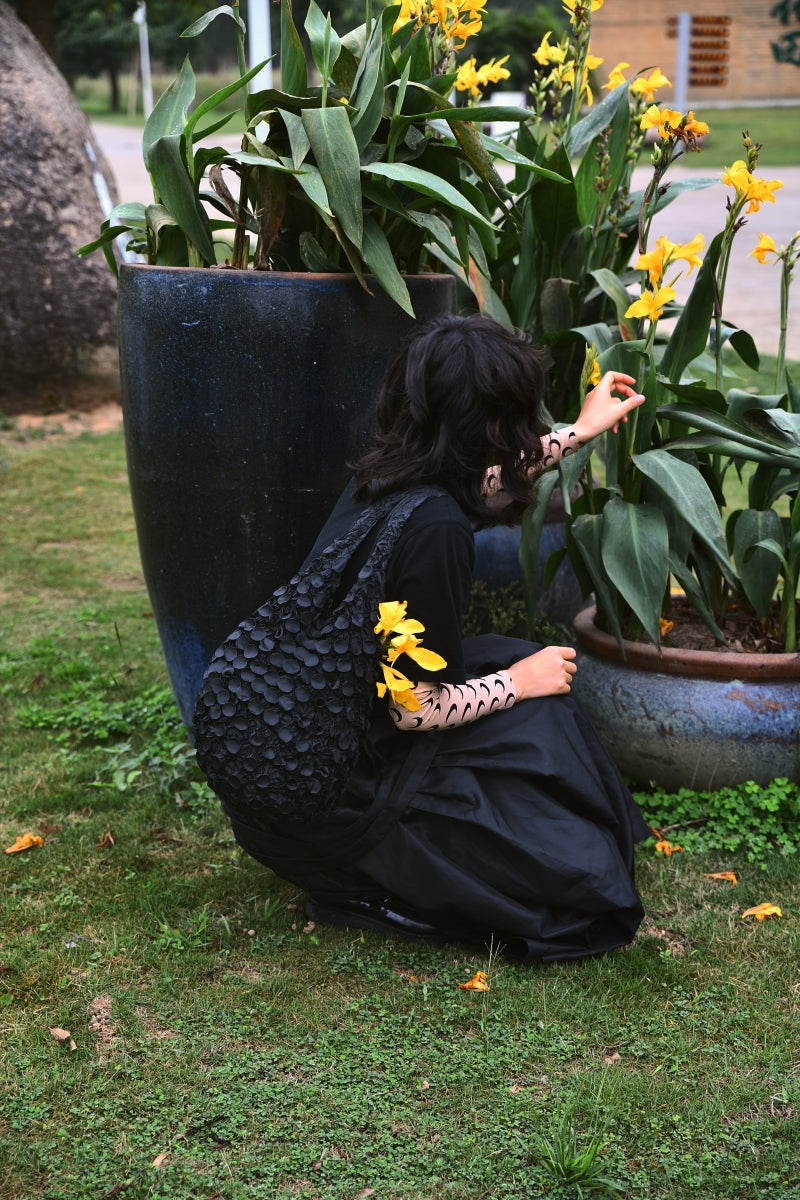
(690, 718)
(244, 395)
(497, 564)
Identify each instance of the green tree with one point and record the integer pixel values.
(95, 37)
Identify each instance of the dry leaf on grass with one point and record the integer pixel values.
(728, 875)
(63, 1037)
(158, 1161)
(105, 840)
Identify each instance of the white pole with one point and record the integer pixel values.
(682, 60)
(259, 42)
(140, 19)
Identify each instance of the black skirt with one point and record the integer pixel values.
(517, 827)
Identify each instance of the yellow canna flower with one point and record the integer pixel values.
(647, 85)
(738, 176)
(761, 911)
(493, 71)
(568, 76)
(546, 54)
(591, 373)
(392, 613)
(692, 128)
(616, 76)
(765, 246)
(398, 633)
(749, 187)
(666, 848)
(478, 983)
(667, 120)
(761, 190)
(472, 79)
(400, 688)
(688, 252)
(729, 876)
(24, 842)
(467, 78)
(665, 626)
(656, 261)
(579, 10)
(651, 304)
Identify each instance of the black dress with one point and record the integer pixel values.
(517, 826)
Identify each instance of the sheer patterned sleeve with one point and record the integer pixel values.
(556, 444)
(448, 705)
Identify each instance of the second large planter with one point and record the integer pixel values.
(244, 395)
(690, 718)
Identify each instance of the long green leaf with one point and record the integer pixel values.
(635, 545)
(695, 595)
(709, 443)
(532, 526)
(174, 188)
(211, 102)
(599, 117)
(203, 22)
(510, 155)
(336, 155)
(688, 338)
(429, 185)
(714, 423)
(367, 96)
(380, 260)
(294, 73)
(609, 283)
(687, 492)
(587, 534)
(323, 40)
(169, 115)
(298, 138)
(757, 566)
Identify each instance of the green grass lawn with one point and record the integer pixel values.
(224, 1048)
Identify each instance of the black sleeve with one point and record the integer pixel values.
(431, 569)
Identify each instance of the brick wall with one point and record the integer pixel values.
(738, 54)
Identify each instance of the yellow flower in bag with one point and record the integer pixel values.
(398, 635)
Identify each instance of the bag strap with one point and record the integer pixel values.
(393, 510)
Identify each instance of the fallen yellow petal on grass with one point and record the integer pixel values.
(24, 842)
(729, 875)
(667, 848)
(761, 911)
(478, 983)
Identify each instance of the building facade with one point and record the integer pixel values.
(722, 51)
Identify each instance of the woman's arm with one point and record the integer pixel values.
(602, 410)
(448, 705)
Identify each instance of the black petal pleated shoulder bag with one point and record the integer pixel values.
(287, 698)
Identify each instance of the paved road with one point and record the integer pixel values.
(752, 298)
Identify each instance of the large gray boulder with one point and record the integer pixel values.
(54, 307)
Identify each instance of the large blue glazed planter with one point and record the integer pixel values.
(244, 395)
(690, 718)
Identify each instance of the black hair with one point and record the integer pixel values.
(462, 395)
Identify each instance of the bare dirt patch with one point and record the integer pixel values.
(87, 401)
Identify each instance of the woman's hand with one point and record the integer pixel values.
(546, 673)
(603, 410)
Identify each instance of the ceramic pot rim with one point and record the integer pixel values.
(671, 661)
(221, 271)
